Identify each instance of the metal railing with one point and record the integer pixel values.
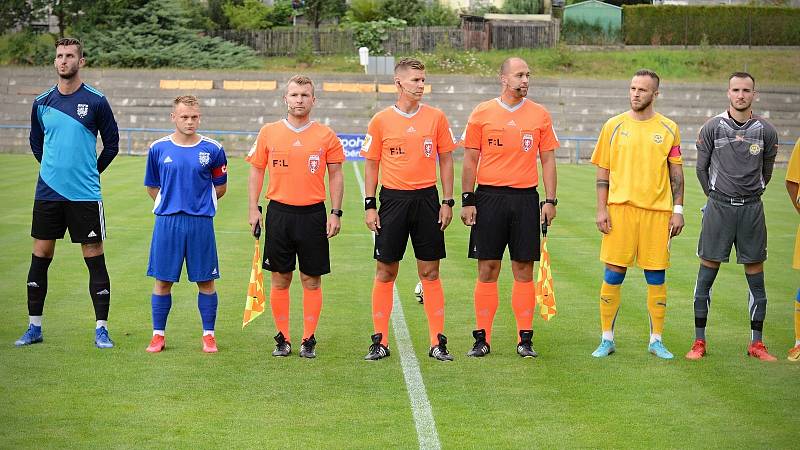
(574, 153)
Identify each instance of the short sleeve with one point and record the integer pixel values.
(473, 133)
(334, 152)
(675, 156)
(549, 140)
(445, 141)
(373, 141)
(259, 153)
(793, 170)
(152, 177)
(601, 155)
(219, 168)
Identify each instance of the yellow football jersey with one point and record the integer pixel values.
(793, 174)
(636, 153)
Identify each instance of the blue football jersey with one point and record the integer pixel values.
(63, 138)
(186, 176)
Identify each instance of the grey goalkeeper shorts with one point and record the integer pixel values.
(733, 222)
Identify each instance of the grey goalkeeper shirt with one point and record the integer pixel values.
(734, 160)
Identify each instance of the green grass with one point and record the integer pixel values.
(704, 64)
(66, 393)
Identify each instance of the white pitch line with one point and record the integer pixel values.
(427, 436)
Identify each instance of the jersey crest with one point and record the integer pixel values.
(527, 142)
(204, 158)
(428, 147)
(83, 109)
(755, 149)
(657, 138)
(313, 163)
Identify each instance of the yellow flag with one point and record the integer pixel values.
(545, 296)
(256, 299)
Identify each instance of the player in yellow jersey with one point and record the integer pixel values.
(793, 186)
(639, 205)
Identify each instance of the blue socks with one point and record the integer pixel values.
(160, 305)
(207, 304)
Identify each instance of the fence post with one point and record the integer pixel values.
(130, 150)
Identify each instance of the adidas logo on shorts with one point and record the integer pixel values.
(214, 272)
(91, 234)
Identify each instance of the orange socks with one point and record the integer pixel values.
(312, 306)
(523, 300)
(434, 308)
(279, 300)
(486, 300)
(382, 301)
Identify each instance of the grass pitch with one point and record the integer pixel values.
(66, 393)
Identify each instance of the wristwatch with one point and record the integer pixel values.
(449, 202)
(552, 201)
(337, 212)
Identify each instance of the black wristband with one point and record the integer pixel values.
(337, 212)
(467, 199)
(370, 203)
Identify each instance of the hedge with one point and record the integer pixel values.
(714, 25)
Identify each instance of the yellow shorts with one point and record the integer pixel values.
(637, 234)
(796, 261)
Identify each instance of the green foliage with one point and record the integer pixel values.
(722, 25)
(156, 35)
(27, 48)
(305, 52)
(198, 15)
(217, 15)
(281, 13)
(365, 11)
(579, 32)
(315, 11)
(251, 15)
(405, 10)
(521, 7)
(373, 34)
(437, 15)
(15, 13)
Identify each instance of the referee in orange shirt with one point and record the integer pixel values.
(296, 151)
(504, 135)
(403, 142)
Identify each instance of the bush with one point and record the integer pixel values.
(27, 48)
(365, 11)
(436, 15)
(722, 25)
(373, 34)
(250, 15)
(156, 35)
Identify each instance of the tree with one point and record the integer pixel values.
(405, 10)
(318, 10)
(16, 13)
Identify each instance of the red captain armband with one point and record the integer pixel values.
(217, 172)
(675, 152)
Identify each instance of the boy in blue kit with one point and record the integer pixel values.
(186, 173)
(65, 121)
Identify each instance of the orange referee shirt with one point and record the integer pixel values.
(296, 159)
(509, 140)
(407, 144)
